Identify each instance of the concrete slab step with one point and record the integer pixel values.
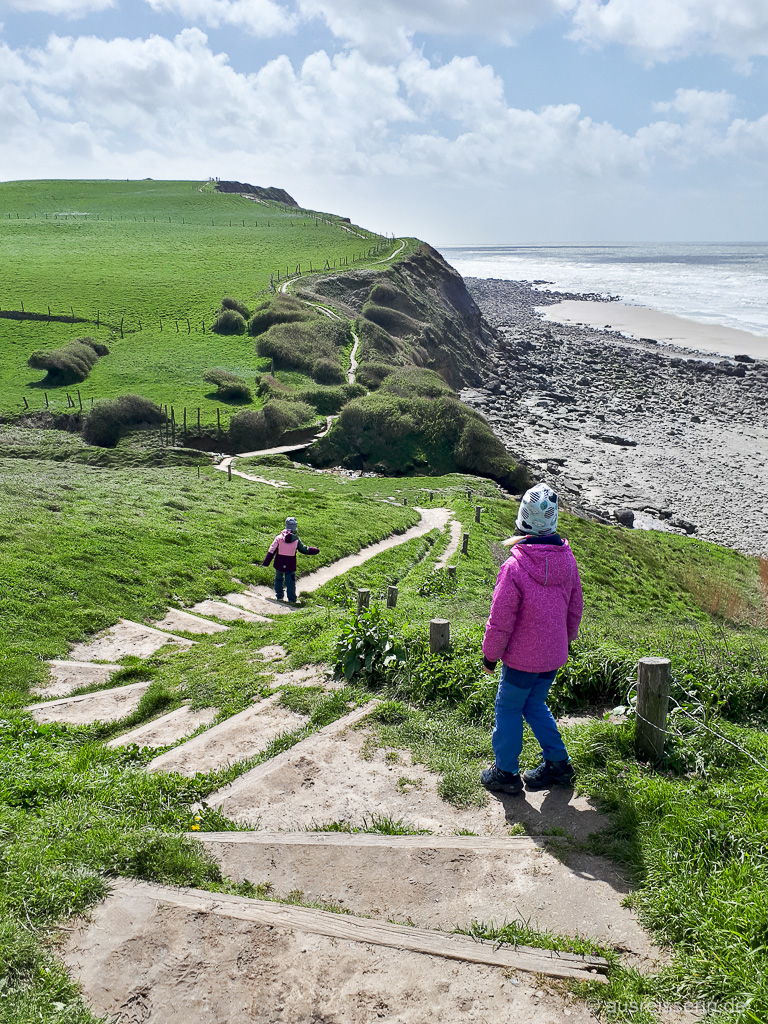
(227, 612)
(85, 708)
(342, 775)
(259, 603)
(438, 881)
(175, 618)
(67, 676)
(126, 638)
(239, 737)
(167, 729)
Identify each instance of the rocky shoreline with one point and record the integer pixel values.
(629, 431)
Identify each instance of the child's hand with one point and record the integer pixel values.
(489, 671)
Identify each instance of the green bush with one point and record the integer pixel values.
(229, 321)
(412, 381)
(280, 309)
(391, 320)
(300, 346)
(329, 400)
(240, 307)
(109, 419)
(384, 293)
(372, 374)
(70, 364)
(251, 430)
(366, 648)
(327, 371)
(229, 387)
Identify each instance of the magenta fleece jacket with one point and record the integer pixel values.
(536, 608)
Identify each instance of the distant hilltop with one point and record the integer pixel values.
(275, 195)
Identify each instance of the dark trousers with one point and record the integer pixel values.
(287, 579)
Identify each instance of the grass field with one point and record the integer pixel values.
(84, 545)
(147, 253)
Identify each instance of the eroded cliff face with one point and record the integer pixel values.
(417, 312)
(273, 194)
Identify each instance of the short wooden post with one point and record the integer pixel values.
(405, 501)
(451, 572)
(46, 399)
(439, 635)
(229, 470)
(391, 597)
(469, 495)
(653, 685)
(218, 420)
(185, 423)
(198, 472)
(80, 400)
(198, 419)
(26, 403)
(431, 495)
(477, 513)
(464, 543)
(363, 600)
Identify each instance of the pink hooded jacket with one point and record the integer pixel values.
(536, 608)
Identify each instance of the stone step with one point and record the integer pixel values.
(227, 612)
(67, 676)
(167, 729)
(340, 774)
(438, 881)
(242, 736)
(175, 618)
(259, 603)
(126, 639)
(85, 708)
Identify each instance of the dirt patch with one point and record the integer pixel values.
(345, 777)
(126, 639)
(440, 883)
(67, 676)
(166, 964)
(241, 736)
(101, 706)
(272, 652)
(167, 729)
(453, 545)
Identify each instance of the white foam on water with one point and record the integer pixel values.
(725, 285)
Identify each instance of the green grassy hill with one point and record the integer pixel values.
(157, 256)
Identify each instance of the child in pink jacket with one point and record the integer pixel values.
(535, 614)
(283, 549)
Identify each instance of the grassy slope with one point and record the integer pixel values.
(174, 254)
(76, 561)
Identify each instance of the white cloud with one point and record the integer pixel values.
(262, 18)
(61, 8)
(667, 29)
(88, 106)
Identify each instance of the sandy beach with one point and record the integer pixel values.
(641, 322)
(628, 430)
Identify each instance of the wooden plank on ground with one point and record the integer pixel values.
(358, 929)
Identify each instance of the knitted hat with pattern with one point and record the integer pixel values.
(291, 524)
(537, 514)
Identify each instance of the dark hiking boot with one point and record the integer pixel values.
(495, 779)
(548, 774)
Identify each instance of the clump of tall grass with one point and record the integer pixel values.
(70, 364)
(229, 387)
(109, 419)
(250, 430)
(229, 321)
(279, 309)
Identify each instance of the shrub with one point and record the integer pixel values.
(250, 430)
(229, 321)
(384, 293)
(109, 419)
(378, 346)
(229, 387)
(366, 648)
(417, 382)
(70, 364)
(326, 371)
(372, 374)
(330, 400)
(299, 346)
(240, 307)
(391, 320)
(280, 309)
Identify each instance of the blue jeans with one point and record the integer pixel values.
(524, 695)
(290, 584)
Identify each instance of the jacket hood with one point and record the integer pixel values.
(547, 565)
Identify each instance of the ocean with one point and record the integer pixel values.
(725, 285)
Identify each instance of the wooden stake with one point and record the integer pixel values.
(478, 510)
(452, 572)
(391, 597)
(653, 685)
(363, 600)
(464, 543)
(439, 635)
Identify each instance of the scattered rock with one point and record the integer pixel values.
(624, 517)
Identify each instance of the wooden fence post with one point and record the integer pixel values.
(478, 510)
(451, 572)
(431, 495)
(363, 600)
(218, 421)
(469, 495)
(26, 403)
(391, 597)
(198, 419)
(464, 543)
(46, 399)
(80, 400)
(653, 684)
(229, 470)
(405, 501)
(439, 635)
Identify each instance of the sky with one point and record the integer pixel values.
(458, 121)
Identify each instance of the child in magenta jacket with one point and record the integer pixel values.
(535, 614)
(283, 549)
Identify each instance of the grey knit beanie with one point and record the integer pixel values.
(537, 514)
(292, 525)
